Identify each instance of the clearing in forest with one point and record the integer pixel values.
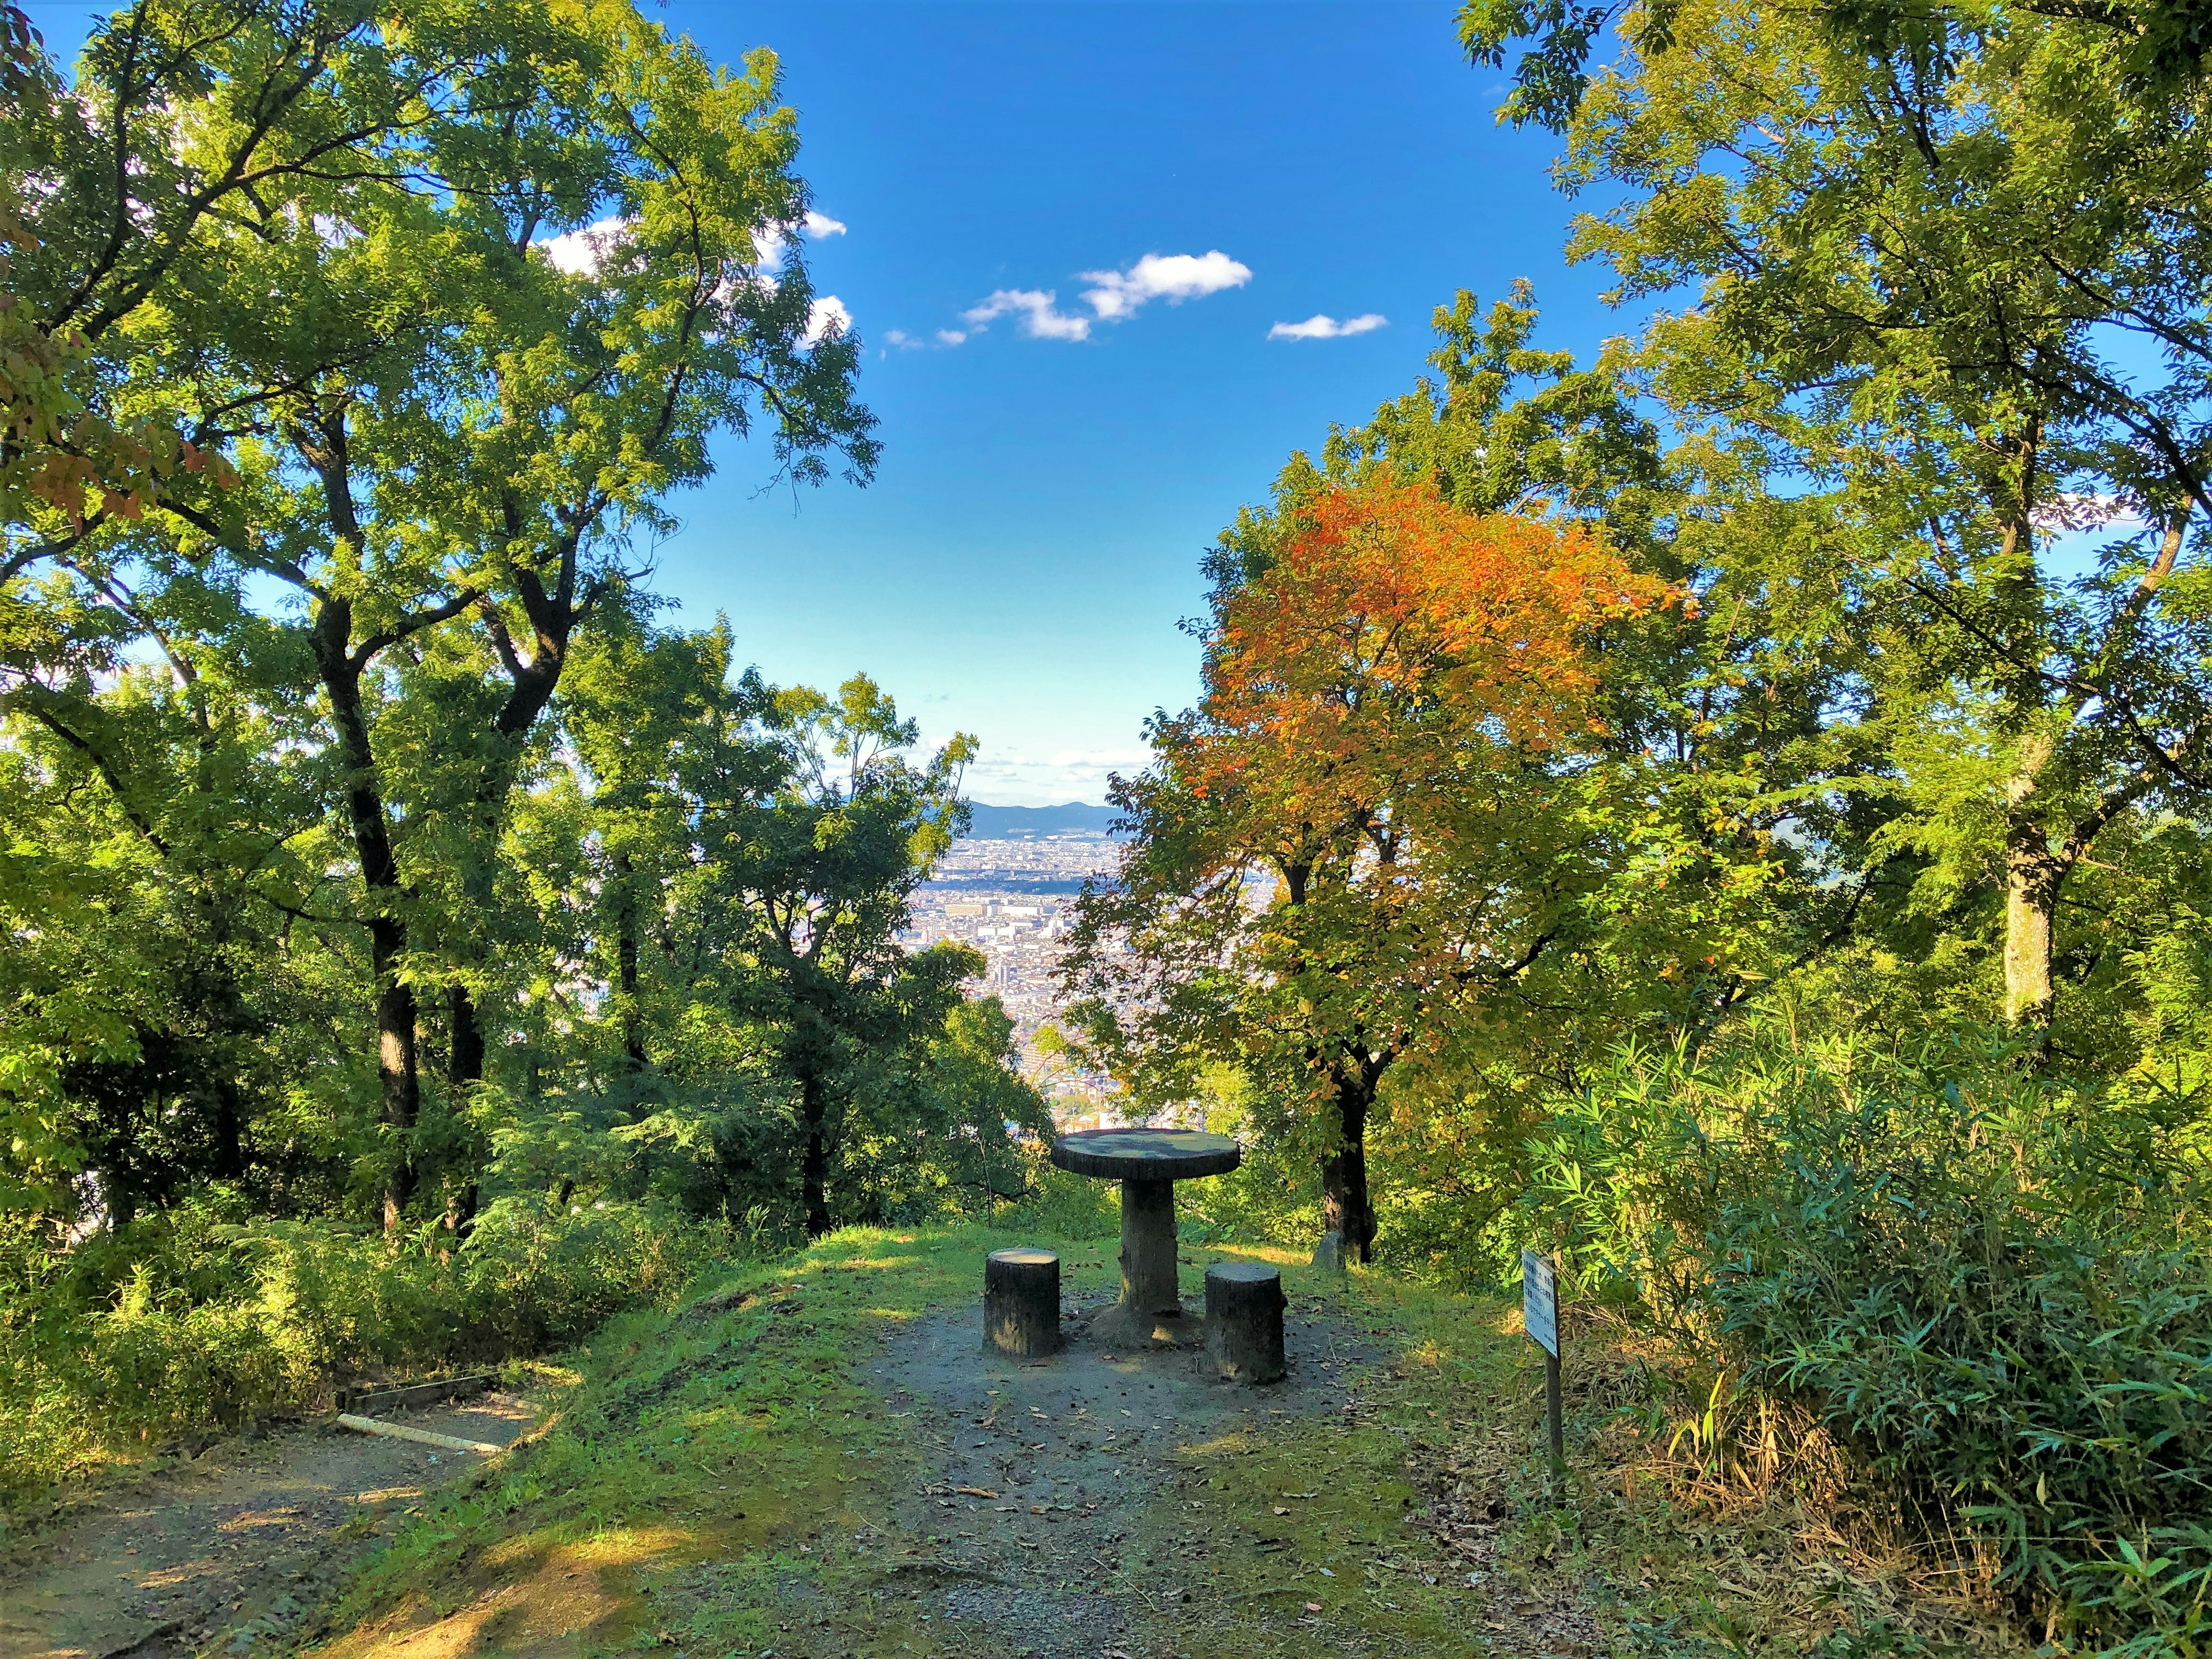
(817, 1459)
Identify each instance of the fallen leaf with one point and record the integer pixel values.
(1313, 1607)
(1280, 1510)
(974, 1491)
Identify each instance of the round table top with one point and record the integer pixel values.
(1147, 1154)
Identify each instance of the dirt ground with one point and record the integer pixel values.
(230, 1548)
(1042, 1466)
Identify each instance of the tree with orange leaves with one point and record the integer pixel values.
(1366, 825)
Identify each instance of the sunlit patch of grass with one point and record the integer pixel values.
(700, 1461)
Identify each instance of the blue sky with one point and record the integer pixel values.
(1019, 566)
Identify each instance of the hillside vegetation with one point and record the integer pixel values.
(766, 1468)
(1730, 809)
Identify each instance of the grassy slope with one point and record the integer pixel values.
(722, 1480)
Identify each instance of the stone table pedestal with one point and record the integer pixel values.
(1147, 1162)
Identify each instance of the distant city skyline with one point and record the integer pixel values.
(1007, 897)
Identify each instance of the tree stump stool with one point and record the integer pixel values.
(1021, 1302)
(1244, 1321)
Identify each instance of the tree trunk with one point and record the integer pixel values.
(400, 1089)
(816, 1171)
(400, 1082)
(465, 1063)
(1346, 1208)
(2033, 872)
(2030, 900)
(633, 1018)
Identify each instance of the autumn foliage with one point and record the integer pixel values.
(1369, 831)
(1385, 615)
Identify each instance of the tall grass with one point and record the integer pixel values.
(182, 1323)
(1992, 1295)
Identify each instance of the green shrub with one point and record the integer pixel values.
(181, 1323)
(1995, 1297)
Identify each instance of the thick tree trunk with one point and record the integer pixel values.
(400, 1088)
(400, 1082)
(1346, 1208)
(465, 1062)
(2031, 895)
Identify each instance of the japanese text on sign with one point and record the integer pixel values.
(1539, 1301)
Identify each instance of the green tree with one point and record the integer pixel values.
(463, 421)
(1944, 262)
(810, 886)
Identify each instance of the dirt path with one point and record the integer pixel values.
(233, 1547)
(1047, 1468)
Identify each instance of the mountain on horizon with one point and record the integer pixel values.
(1017, 823)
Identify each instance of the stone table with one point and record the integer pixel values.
(1147, 1162)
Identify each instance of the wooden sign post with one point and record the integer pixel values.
(1540, 1315)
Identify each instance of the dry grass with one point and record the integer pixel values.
(1725, 1522)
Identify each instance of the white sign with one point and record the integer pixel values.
(1539, 1301)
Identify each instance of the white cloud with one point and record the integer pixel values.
(1321, 327)
(951, 337)
(1174, 277)
(1040, 320)
(825, 317)
(769, 241)
(1114, 296)
(580, 253)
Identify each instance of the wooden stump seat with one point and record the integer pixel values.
(1021, 1302)
(1244, 1321)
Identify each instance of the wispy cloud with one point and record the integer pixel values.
(1174, 277)
(1039, 319)
(1321, 327)
(945, 338)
